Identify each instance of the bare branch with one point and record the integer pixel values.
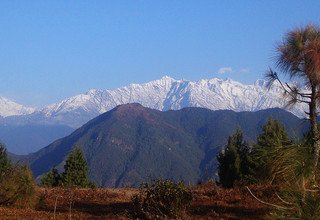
(282, 200)
(266, 203)
(270, 76)
(296, 90)
(293, 93)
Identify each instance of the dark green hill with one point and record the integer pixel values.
(132, 144)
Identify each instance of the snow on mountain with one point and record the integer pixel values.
(168, 93)
(10, 108)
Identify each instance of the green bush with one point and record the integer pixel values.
(161, 199)
(51, 179)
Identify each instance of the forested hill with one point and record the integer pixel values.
(132, 144)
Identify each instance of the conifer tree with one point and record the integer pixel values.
(246, 162)
(299, 57)
(272, 138)
(76, 170)
(234, 161)
(51, 179)
(16, 182)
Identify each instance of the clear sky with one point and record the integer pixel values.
(51, 50)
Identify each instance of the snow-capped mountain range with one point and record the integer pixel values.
(9, 108)
(163, 94)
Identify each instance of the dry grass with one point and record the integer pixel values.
(209, 202)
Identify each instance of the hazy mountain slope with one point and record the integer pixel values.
(26, 139)
(131, 144)
(23, 136)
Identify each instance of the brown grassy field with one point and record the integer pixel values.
(209, 202)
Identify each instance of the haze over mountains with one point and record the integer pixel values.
(163, 94)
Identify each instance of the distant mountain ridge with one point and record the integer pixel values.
(10, 108)
(131, 144)
(163, 94)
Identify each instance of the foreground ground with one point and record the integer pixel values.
(209, 202)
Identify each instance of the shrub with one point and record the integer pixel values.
(51, 179)
(5, 163)
(209, 188)
(16, 183)
(161, 199)
(17, 187)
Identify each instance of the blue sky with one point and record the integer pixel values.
(51, 50)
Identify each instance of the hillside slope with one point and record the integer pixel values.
(132, 144)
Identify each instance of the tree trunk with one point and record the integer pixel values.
(314, 131)
(315, 159)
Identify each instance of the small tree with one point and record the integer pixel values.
(16, 183)
(5, 163)
(76, 170)
(234, 161)
(51, 179)
(272, 139)
(17, 187)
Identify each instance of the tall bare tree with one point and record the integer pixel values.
(298, 57)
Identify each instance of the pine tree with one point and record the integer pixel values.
(298, 56)
(76, 170)
(246, 163)
(51, 179)
(234, 161)
(272, 138)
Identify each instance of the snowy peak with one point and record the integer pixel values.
(167, 78)
(168, 93)
(88, 102)
(100, 101)
(162, 94)
(10, 108)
